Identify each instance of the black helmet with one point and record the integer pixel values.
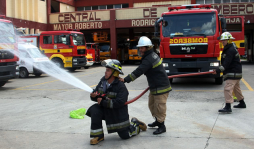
(114, 64)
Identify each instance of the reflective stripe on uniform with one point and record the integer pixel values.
(100, 90)
(161, 90)
(233, 75)
(111, 95)
(109, 103)
(221, 68)
(96, 132)
(118, 125)
(132, 76)
(157, 63)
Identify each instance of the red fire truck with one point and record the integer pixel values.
(190, 39)
(67, 49)
(94, 50)
(8, 50)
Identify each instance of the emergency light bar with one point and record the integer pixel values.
(189, 7)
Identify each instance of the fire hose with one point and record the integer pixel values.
(170, 77)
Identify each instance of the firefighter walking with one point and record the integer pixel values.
(151, 66)
(111, 95)
(232, 73)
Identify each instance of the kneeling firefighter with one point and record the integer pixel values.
(151, 66)
(111, 95)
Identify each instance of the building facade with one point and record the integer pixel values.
(121, 19)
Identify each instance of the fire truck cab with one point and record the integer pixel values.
(190, 40)
(67, 49)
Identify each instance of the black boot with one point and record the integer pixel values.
(241, 104)
(226, 109)
(141, 124)
(154, 124)
(161, 129)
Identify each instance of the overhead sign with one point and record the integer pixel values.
(84, 16)
(80, 20)
(234, 9)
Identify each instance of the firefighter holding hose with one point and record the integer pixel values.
(151, 66)
(111, 95)
(232, 73)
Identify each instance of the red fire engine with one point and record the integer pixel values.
(67, 49)
(8, 48)
(190, 39)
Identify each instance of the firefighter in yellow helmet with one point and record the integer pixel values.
(111, 95)
(232, 73)
(151, 66)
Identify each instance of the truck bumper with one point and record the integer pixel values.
(185, 66)
(89, 63)
(8, 71)
(79, 61)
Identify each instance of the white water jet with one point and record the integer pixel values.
(7, 41)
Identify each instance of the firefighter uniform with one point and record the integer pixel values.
(113, 110)
(151, 66)
(232, 73)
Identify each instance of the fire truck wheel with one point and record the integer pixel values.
(37, 74)
(86, 67)
(23, 73)
(219, 80)
(58, 62)
(2, 83)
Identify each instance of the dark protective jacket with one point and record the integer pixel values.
(151, 66)
(230, 63)
(116, 113)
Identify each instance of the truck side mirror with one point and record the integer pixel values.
(157, 27)
(223, 25)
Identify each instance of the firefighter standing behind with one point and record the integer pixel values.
(111, 107)
(151, 66)
(232, 73)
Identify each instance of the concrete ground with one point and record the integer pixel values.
(35, 115)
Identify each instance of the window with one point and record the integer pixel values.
(47, 39)
(125, 5)
(109, 6)
(217, 1)
(200, 1)
(226, 1)
(187, 25)
(208, 1)
(244, 0)
(80, 9)
(94, 7)
(103, 7)
(61, 39)
(235, 1)
(78, 39)
(88, 8)
(117, 6)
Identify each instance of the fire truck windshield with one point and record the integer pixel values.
(192, 24)
(78, 39)
(7, 34)
(104, 47)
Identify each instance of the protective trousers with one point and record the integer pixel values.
(97, 115)
(157, 106)
(232, 85)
